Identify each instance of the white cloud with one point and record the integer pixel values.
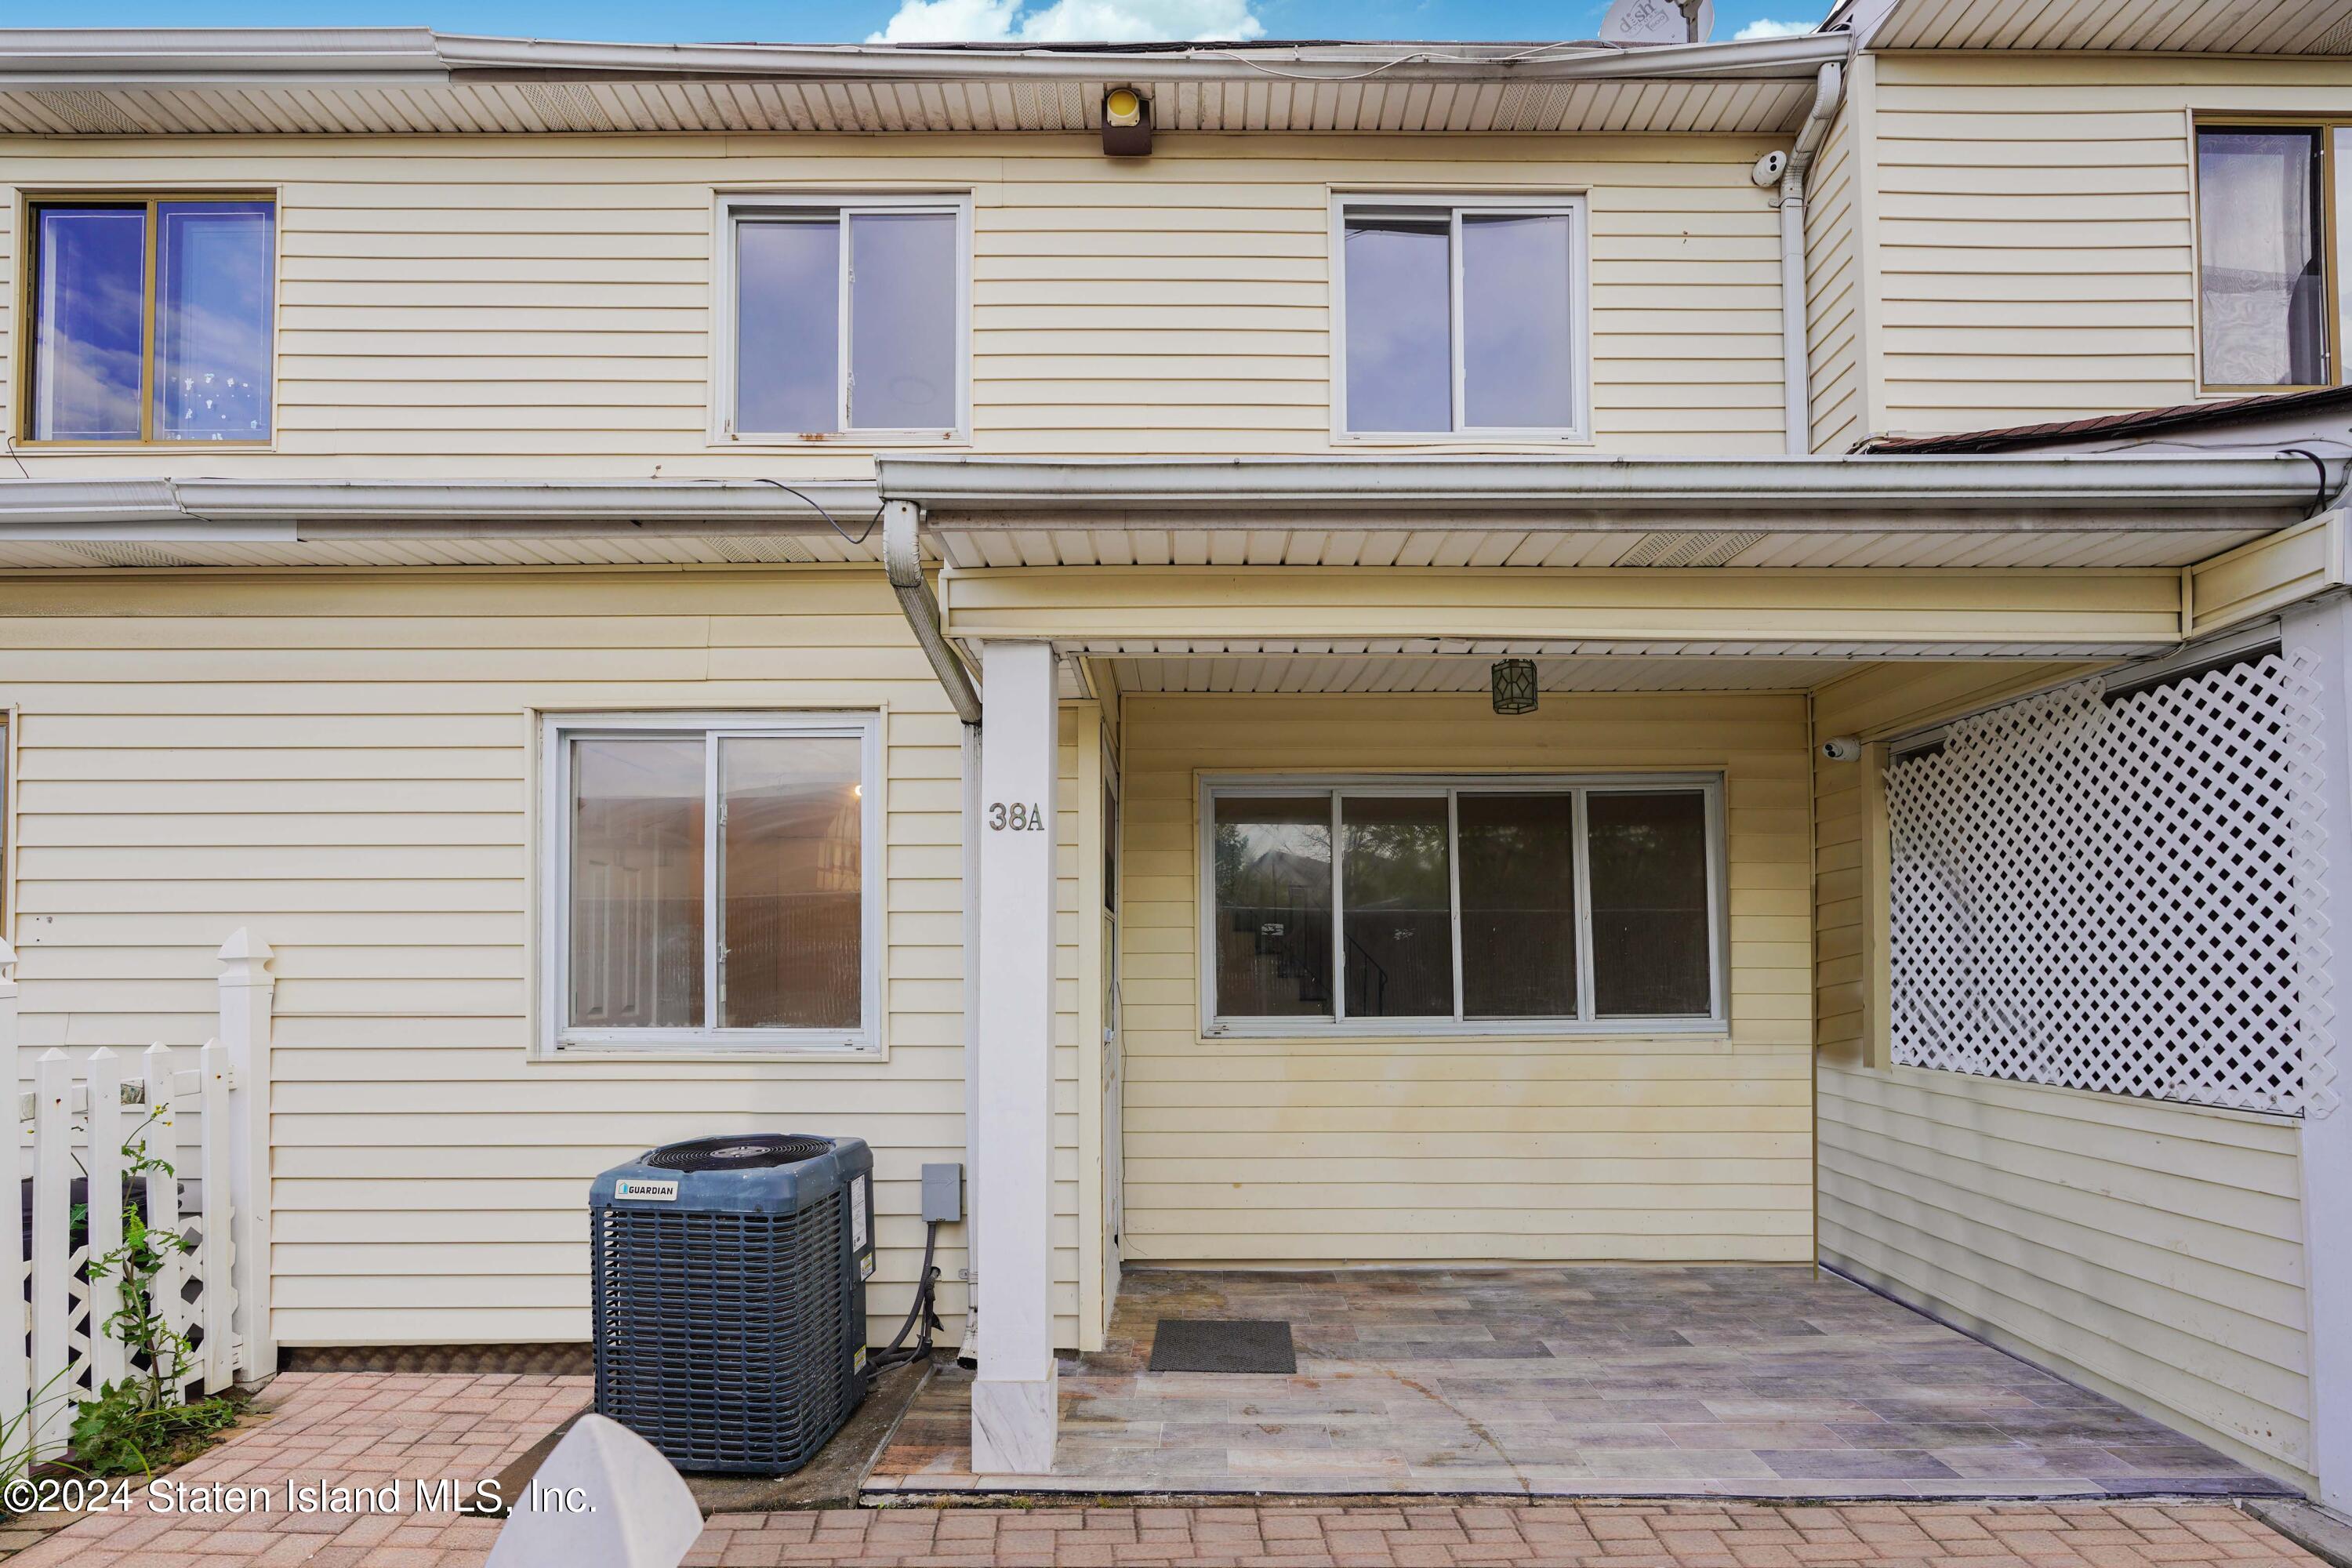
(1068, 21)
(1770, 29)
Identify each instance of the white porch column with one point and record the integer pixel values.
(2320, 630)
(1013, 1416)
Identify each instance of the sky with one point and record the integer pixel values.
(851, 21)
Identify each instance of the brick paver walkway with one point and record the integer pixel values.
(1572, 1535)
(335, 1429)
(374, 1429)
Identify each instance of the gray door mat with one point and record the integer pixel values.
(1222, 1344)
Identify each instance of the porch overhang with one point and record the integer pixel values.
(2050, 557)
(1938, 511)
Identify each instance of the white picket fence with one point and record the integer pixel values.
(210, 1123)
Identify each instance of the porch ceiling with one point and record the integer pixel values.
(1441, 541)
(1302, 673)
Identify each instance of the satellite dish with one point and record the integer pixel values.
(1655, 22)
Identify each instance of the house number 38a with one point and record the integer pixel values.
(1015, 818)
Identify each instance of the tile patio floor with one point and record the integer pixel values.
(374, 1426)
(1717, 1381)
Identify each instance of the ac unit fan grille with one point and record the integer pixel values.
(722, 1338)
(749, 1152)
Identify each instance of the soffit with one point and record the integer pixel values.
(1335, 673)
(2179, 26)
(518, 108)
(1524, 543)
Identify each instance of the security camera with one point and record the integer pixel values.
(1769, 168)
(1842, 748)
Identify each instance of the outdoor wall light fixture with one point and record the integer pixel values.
(1126, 123)
(1514, 682)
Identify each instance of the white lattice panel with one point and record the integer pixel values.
(2124, 897)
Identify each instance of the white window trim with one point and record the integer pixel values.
(1455, 205)
(736, 206)
(863, 1043)
(1710, 785)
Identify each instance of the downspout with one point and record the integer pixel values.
(1798, 397)
(902, 563)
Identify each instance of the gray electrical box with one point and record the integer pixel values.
(943, 1193)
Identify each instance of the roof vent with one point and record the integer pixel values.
(1688, 549)
(123, 554)
(88, 113)
(751, 548)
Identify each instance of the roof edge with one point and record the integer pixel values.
(100, 57)
(1803, 484)
(320, 509)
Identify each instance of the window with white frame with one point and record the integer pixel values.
(1479, 905)
(845, 316)
(712, 881)
(1461, 317)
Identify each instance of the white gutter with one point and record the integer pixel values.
(2105, 492)
(2097, 492)
(1796, 347)
(292, 510)
(100, 57)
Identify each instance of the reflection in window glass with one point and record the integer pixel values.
(1518, 905)
(1650, 920)
(787, 326)
(1273, 895)
(902, 321)
(1517, 372)
(635, 910)
(790, 872)
(1396, 888)
(211, 320)
(2262, 300)
(89, 321)
(1399, 323)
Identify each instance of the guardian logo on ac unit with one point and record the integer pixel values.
(638, 1190)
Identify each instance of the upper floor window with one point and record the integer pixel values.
(713, 881)
(2264, 285)
(847, 317)
(151, 320)
(1461, 317)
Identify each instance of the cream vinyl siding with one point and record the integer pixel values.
(492, 305)
(2035, 216)
(344, 765)
(1577, 1146)
(1834, 290)
(2149, 1250)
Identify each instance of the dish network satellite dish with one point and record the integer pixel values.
(1657, 22)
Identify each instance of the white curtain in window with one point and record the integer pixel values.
(2261, 301)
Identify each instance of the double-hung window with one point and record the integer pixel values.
(1477, 906)
(712, 881)
(1461, 317)
(844, 318)
(2269, 195)
(150, 320)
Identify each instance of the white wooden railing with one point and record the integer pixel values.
(210, 1123)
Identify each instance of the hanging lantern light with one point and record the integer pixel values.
(1514, 682)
